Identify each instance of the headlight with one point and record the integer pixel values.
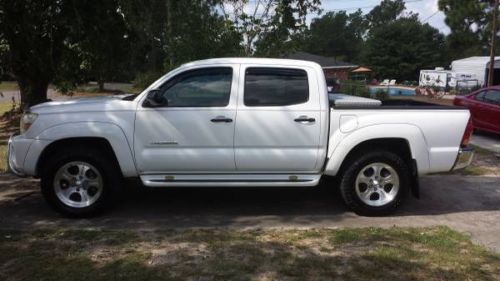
(27, 120)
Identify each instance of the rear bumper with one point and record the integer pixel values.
(464, 158)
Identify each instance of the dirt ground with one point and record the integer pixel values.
(470, 204)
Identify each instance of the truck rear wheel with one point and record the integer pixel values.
(375, 183)
(79, 182)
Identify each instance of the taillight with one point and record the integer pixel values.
(467, 134)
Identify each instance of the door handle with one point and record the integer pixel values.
(304, 119)
(221, 119)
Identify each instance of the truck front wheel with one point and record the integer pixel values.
(374, 183)
(79, 182)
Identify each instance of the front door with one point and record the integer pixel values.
(278, 121)
(192, 131)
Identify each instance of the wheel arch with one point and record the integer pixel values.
(399, 137)
(106, 136)
(400, 146)
(95, 142)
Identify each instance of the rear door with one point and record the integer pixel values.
(476, 107)
(491, 110)
(278, 120)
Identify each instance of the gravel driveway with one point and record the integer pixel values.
(466, 203)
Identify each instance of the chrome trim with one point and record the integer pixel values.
(218, 180)
(464, 158)
(10, 158)
(164, 143)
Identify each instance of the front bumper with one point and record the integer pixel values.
(464, 158)
(12, 163)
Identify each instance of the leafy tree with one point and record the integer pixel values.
(401, 48)
(197, 31)
(337, 35)
(101, 35)
(268, 29)
(60, 42)
(33, 35)
(386, 12)
(146, 22)
(166, 33)
(469, 24)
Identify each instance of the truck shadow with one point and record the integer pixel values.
(250, 207)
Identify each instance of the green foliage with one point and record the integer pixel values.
(60, 42)
(271, 27)
(165, 34)
(354, 88)
(101, 37)
(143, 80)
(68, 43)
(401, 48)
(33, 34)
(469, 22)
(337, 35)
(380, 94)
(199, 33)
(386, 12)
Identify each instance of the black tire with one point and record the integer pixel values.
(353, 168)
(105, 165)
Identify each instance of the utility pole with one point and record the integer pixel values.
(493, 44)
(171, 54)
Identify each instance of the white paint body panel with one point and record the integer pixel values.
(191, 142)
(267, 139)
(262, 146)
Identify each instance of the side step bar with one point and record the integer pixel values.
(218, 180)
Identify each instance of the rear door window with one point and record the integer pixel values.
(492, 97)
(275, 86)
(480, 96)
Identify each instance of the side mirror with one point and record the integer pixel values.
(155, 99)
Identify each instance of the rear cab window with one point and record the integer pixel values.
(265, 86)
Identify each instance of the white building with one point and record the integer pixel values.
(478, 68)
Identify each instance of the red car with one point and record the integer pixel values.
(484, 106)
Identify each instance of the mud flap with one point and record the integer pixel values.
(415, 184)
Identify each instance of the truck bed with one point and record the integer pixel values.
(341, 101)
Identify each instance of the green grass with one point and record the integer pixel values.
(4, 107)
(3, 157)
(8, 86)
(94, 89)
(436, 253)
(480, 150)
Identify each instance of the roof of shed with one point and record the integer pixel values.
(325, 62)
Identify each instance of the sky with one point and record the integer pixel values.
(426, 9)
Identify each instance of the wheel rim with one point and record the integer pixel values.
(78, 184)
(377, 184)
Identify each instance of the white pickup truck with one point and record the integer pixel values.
(237, 122)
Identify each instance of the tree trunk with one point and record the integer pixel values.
(32, 92)
(171, 55)
(100, 82)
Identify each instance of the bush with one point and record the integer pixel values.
(354, 88)
(381, 95)
(143, 80)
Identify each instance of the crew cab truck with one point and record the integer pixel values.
(237, 122)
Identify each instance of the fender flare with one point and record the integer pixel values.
(105, 130)
(411, 133)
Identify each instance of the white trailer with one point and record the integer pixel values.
(434, 78)
(447, 79)
(476, 66)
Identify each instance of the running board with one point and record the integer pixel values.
(218, 180)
